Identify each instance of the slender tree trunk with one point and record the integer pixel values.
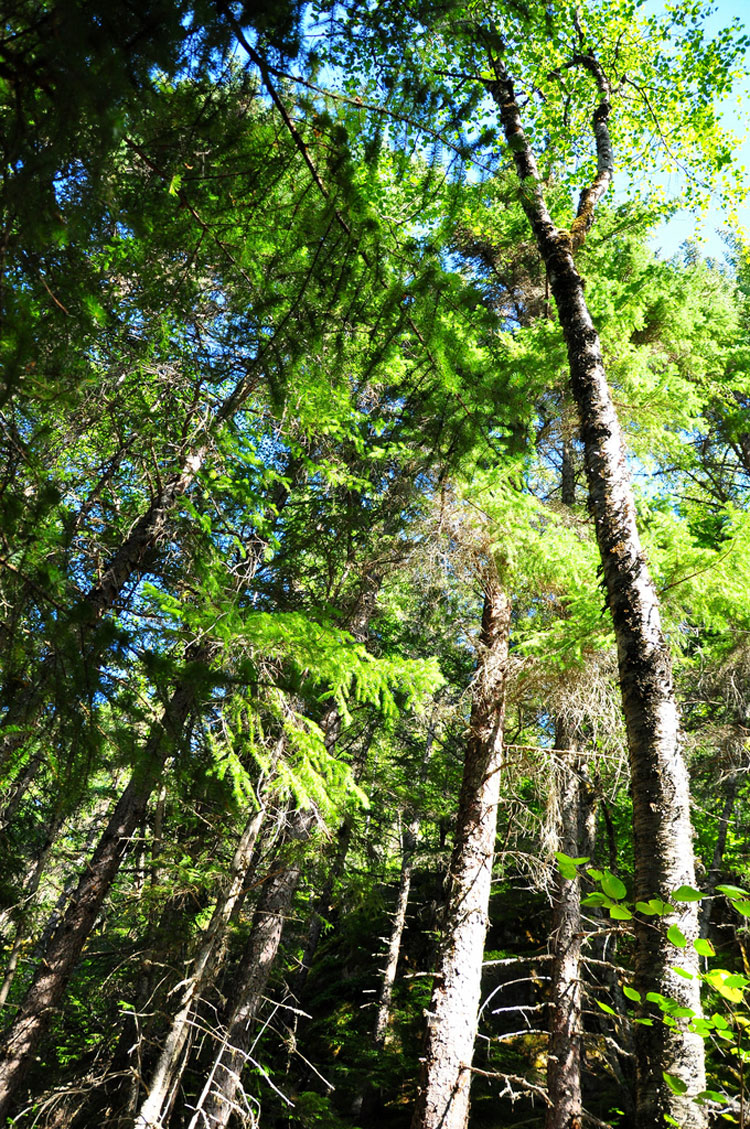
(397, 930)
(30, 889)
(134, 552)
(322, 906)
(410, 835)
(443, 1100)
(564, 1052)
(222, 1092)
(63, 951)
(210, 953)
(714, 871)
(20, 787)
(134, 555)
(93, 833)
(564, 1049)
(600, 959)
(662, 836)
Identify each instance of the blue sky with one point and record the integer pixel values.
(735, 113)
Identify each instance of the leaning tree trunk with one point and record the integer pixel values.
(209, 956)
(62, 953)
(22, 914)
(222, 1092)
(323, 906)
(18, 790)
(443, 1100)
(662, 837)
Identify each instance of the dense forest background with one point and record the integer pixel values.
(320, 580)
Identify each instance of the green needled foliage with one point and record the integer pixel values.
(282, 378)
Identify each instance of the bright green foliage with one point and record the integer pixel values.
(304, 298)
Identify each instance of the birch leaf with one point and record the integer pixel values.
(676, 1085)
(687, 894)
(677, 937)
(612, 886)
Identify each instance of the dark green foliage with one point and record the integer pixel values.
(287, 328)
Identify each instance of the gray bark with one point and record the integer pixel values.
(443, 1100)
(222, 1093)
(397, 930)
(661, 817)
(209, 956)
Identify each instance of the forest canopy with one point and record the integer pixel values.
(374, 599)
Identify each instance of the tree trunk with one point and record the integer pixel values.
(21, 914)
(209, 956)
(714, 871)
(322, 906)
(576, 837)
(20, 787)
(397, 929)
(134, 556)
(63, 951)
(443, 1100)
(564, 1048)
(222, 1093)
(135, 550)
(402, 901)
(662, 836)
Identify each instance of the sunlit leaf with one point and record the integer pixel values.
(676, 936)
(676, 1085)
(612, 886)
(687, 894)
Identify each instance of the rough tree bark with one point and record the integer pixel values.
(661, 816)
(219, 1098)
(210, 953)
(62, 953)
(443, 1100)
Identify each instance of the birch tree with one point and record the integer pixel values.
(599, 62)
